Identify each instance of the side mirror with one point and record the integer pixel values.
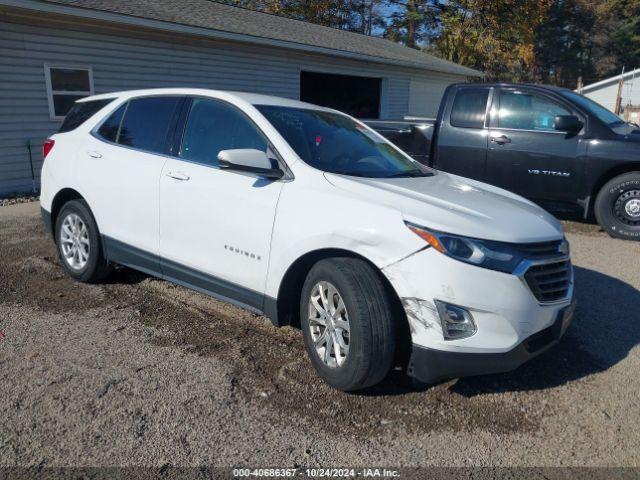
(248, 160)
(568, 123)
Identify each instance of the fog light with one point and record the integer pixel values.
(457, 322)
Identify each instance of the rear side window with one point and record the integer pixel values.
(109, 128)
(469, 108)
(147, 122)
(214, 126)
(81, 112)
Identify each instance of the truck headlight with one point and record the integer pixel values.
(490, 254)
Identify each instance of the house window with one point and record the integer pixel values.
(65, 85)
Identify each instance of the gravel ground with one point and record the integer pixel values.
(140, 372)
(18, 198)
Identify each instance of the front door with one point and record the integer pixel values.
(215, 225)
(526, 154)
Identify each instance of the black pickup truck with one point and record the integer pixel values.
(551, 145)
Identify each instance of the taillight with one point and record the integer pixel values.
(47, 146)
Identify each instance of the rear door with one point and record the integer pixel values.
(461, 143)
(120, 174)
(526, 154)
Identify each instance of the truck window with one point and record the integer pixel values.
(469, 108)
(527, 111)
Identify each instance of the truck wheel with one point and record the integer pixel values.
(346, 318)
(617, 206)
(78, 242)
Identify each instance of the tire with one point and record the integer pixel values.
(88, 264)
(368, 311)
(617, 206)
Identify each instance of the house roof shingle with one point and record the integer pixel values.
(226, 18)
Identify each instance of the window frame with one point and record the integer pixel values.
(173, 124)
(487, 107)
(95, 131)
(181, 128)
(51, 92)
(178, 127)
(495, 115)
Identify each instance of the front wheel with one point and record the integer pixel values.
(347, 323)
(617, 206)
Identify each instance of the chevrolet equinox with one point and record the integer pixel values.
(308, 216)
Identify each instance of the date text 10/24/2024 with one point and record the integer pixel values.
(317, 472)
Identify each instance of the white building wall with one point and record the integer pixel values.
(426, 92)
(605, 94)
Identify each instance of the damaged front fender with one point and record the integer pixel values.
(421, 314)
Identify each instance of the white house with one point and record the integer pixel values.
(56, 51)
(605, 91)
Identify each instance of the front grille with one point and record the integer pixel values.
(540, 249)
(549, 282)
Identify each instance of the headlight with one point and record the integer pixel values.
(484, 253)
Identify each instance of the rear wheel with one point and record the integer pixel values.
(346, 318)
(79, 244)
(617, 206)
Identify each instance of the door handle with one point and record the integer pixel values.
(94, 154)
(501, 139)
(178, 176)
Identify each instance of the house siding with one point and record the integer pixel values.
(131, 58)
(606, 95)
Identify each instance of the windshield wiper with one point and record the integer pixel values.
(409, 173)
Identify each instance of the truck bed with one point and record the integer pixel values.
(412, 134)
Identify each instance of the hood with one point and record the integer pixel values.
(457, 205)
(628, 130)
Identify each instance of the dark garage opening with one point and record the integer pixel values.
(357, 96)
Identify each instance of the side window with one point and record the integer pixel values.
(81, 112)
(527, 111)
(109, 128)
(213, 126)
(469, 107)
(146, 123)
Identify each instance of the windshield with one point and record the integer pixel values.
(604, 115)
(334, 143)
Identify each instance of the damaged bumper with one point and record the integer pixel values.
(511, 325)
(431, 366)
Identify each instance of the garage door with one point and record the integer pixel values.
(357, 96)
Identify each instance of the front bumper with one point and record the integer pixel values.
(431, 366)
(509, 318)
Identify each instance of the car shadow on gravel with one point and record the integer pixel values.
(125, 276)
(605, 328)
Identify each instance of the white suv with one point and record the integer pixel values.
(308, 216)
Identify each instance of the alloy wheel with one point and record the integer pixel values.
(329, 324)
(74, 241)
